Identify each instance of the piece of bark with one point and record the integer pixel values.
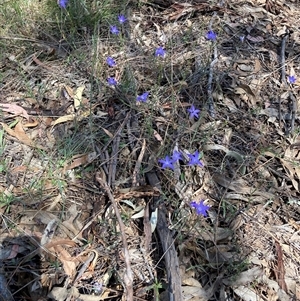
(167, 242)
(5, 294)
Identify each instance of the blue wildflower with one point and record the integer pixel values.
(110, 62)
(242, 39)
(114, 29)
(160, 52)
(194, 159)
(211, 35)
(201, 208)
(292, 79)
(122, 19)
(176, 156)
(112, 81)
(143, 97)
(63, 3)
(193, 112)
(167, 162)
(97, 287)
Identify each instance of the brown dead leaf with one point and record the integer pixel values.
(157, 136)
(18, 169)
(191, 292)
(291, 173)
(60, 242)
(66, 259)
(69, 90)
(108, 133)
(245, 93)
(81, 115)
(78, 97)
(63, 119)
(79, 160)
(14, 109)
(240, 186)
(20, 134)
(257, 39)
(14, 252)
(280, 269)
(245, 277)
(31, 124)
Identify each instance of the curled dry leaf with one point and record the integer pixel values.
(66, 259)
(20, 134)
(79, 117)
(78, 97)
(79, 160)
(157, 136)
(31, 124)
(257, 39)
(14, 109)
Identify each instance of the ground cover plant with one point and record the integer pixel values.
(149, 150)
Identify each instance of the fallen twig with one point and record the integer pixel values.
(5, 293)
(282, 59)
(167, 242)
(128, 275)
(113, 161)
(210, 101)
(211, 108)
(293, 108)
(283, 74)
(138, 164)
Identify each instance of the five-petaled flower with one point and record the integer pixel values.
(114, 29)
(176, 156)
(160, 52)
(167, 162)
(122, 19)
(201, 208)
(193, 112)
(112, 81)
(63, 3)
(194, 159)
(143, 97)
(211, 35)
(292, 79)
(110, 62)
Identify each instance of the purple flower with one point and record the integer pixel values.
(63, 3)
(194, 159)
(201, 208)
(193, 112)
(143, 97)
(211, 35)
(242, 39)
(160, 52)
(292, 79)
(112, 81)
(122, 19)
(176, 156)
(167, 162)
(97, 287)
(114, 29)
(110, 62)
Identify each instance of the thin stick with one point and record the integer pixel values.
(113, 161)
(282, 59)
(130, 135)
(211, 108)
(138, 164)
(283, 75)
(128, 276)
(293, 109)
(210, 101)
